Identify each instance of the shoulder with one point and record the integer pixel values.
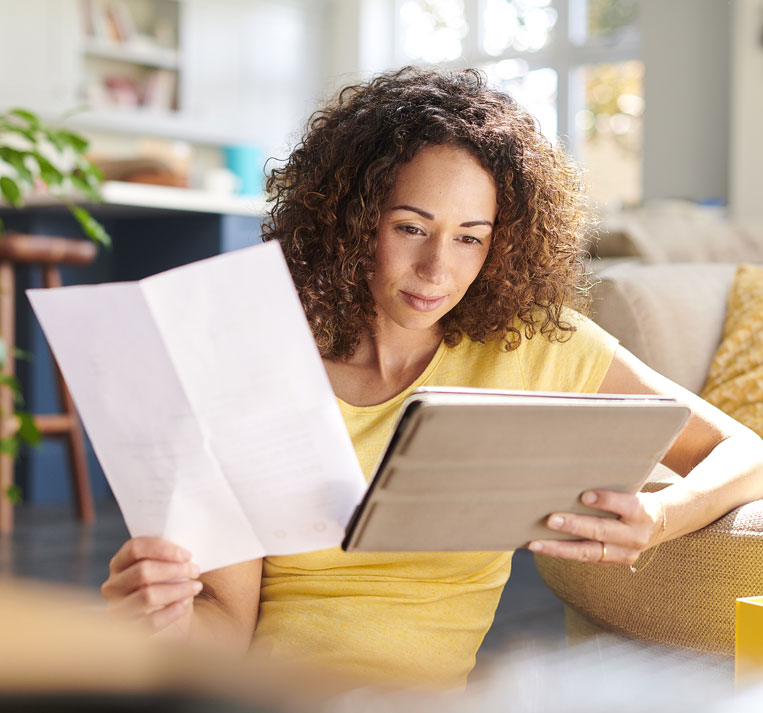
(574, 360)
(579, 331)
(584, 334)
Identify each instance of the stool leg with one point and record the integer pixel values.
(7, 331)
(76, 441)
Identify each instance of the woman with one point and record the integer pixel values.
(433, 235)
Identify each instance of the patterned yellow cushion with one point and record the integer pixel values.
(735, 380)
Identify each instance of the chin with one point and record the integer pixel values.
(419, 322)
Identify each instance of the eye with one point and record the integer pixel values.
(470, 240)
(410, 229)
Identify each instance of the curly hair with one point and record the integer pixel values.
(328, 198)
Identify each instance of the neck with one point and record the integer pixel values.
(394, 350)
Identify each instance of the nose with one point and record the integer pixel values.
(432, 265)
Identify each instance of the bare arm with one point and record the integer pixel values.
(225, 612)
(722, 462)
(154, 582)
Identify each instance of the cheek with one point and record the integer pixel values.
(390, 259)
(474, 268)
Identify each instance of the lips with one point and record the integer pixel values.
(422, 303)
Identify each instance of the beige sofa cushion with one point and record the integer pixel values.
(678, 231)
(670, 316)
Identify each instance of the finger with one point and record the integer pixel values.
(147, 600)
(584, 551)
(139, 548)
(626, 505)
(146, 572)
(162, 618)
(590, 527)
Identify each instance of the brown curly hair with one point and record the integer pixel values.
(328, 197)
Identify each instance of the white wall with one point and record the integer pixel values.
(685, 46)
(746, 175)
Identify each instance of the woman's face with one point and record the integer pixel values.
(433, 236)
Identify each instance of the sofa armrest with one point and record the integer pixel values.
(686, 597)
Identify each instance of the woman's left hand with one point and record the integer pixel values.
(637, 527)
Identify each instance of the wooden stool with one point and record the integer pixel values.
(49, 253)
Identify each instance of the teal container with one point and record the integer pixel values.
(248, 163)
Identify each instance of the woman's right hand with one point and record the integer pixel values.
(153, 581)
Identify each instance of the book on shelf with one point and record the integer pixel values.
(159, 89)
(107, 21)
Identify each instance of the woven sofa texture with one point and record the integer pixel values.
(670, 316)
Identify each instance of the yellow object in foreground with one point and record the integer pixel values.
(748, 661)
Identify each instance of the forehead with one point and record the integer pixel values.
(445, 176)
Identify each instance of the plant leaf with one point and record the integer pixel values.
(17, 353)
(22, 354)
(13, 384)
(92, 170)
(10, 381)
(76, 110)
(93, 229)
(9, 446)
(82, 185)
(10, 190)
(26, 133)
(14, 494)
(77, 142)
(15, 158)
(28, 431)
(32, 119)
(53, 137)
(49, 173)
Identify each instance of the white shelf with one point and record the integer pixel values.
(148, 56)
(142, 195)
(140, 121)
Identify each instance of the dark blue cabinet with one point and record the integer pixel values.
(146, 241)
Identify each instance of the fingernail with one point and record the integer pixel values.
(556, 521)
(195, 570)
(589, 497)
(197, 587)
(183, 553)
(188, 602)
(535, 547)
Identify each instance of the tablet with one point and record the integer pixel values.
(481, 469)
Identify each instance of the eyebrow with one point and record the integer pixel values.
(429, 216)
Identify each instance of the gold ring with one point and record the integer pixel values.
(603, 552)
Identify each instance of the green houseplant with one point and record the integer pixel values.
(36, 156)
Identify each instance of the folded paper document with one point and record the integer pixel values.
(207, 404)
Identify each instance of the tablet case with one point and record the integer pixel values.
(481, 469)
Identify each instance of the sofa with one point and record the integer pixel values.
(670, 315)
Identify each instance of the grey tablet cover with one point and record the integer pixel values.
(480, 470)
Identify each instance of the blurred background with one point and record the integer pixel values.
(655, 99)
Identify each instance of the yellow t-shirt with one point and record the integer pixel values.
(414, 618)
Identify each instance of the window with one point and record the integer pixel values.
(574, 64)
